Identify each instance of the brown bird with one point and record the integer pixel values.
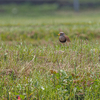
(63, 38)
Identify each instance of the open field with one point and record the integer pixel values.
(35, 66)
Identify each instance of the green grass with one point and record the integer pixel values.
(35, 66)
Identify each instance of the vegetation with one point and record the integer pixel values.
(36, 66)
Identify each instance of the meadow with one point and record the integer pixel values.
(36, 66)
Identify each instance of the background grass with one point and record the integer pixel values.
(35, 66)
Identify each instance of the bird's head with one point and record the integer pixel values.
(61, 34)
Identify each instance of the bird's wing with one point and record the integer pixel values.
(67, 38)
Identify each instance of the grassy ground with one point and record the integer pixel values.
(35, 66)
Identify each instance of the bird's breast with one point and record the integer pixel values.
(62, 39)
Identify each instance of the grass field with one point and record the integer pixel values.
(36, 66)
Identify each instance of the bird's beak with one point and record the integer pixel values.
(58, 34)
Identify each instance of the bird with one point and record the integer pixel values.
(63, 38)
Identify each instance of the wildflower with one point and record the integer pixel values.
(18, 97)
(42, 88)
